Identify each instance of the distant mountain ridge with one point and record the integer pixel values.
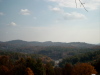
(50, 43)
(16, 41)
(54, 50)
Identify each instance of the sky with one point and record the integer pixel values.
(50, 20)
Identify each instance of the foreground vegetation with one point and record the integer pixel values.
(28, 65)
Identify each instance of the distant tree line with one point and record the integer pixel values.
(54, 52)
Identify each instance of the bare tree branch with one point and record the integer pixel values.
(81, 4)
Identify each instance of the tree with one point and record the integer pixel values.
(19, 67)
(18, 70)
(97, 65)
(4, 60)
(67, 69)
(49, 69)
(4, 70)
(83, 69)
(40, 70)
(28, 71)
(58, 71)
(30, 62)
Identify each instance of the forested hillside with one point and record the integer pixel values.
(32, 66)
(88, 57)
(15, 56)
(47, 43)
(19, 57)
(54, 50)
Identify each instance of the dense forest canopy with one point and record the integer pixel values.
(54, 50)
(35, 66)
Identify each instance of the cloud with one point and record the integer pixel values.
(1, 13)
(89, 4)
(74, 16)
(13, 24)
(25, 12)
(68, 16)
(92, 4)
(55, 9)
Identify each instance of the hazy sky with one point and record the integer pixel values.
(50, 20)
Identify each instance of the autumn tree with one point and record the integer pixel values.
(18, 70)
(19, 67)
(83, 69)
(67, 69)
(5, 60)
(28, 71)
(4, 70)
(21, 61)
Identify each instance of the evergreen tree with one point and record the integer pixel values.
(49, 69)
(40, 70)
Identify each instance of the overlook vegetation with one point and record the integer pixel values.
(31, 66)
(19, 57)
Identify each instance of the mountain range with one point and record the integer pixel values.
(54, 50)
(50, 43)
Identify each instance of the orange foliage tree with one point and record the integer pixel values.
(83, 69)
(29, 71)
(3, 70)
